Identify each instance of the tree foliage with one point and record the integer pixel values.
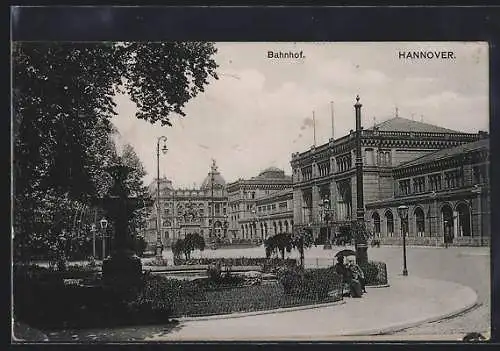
(63, 101)
(192, 241)
(282, 242)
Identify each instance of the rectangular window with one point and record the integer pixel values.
(404, 187)
(283, 205)
(453, 179)
(419, 185)
(480, 174)
(324, 168)
(307, 173)
(384, 157)
(435, 182)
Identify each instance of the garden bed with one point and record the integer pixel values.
(263, 297)
(52, 304)
(266, 264)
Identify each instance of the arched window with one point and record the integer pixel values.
(463, 220)
(419, 222)
(389, 218)
(286, 226)
(376, 224)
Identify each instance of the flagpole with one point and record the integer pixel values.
(314, 130)
(333, 127)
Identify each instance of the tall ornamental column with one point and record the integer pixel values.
(360, 235)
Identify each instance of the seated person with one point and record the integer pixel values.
(342, 270)
(357, 273)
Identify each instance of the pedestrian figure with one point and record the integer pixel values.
(347, 278)
(357, 274)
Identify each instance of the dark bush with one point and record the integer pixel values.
(375, 273)
(42, 300)
(214, 272)
(160, 294)
(310, 282)
(290, 279)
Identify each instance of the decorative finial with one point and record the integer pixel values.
(397, 110)
(357, 98)
(214, 166)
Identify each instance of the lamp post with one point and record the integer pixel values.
(360, 242)
(104, 225)
(159, 246)
(93, 229)
(477, 190)
(325, 205)
(403, 214)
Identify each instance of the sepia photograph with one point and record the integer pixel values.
(250, 191)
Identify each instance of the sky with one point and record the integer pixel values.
(260, 110)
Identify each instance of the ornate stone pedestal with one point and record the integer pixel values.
(122, 270)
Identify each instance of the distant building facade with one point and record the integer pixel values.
(448, 196)
(254, 205)
(324, 179)
(184, 211)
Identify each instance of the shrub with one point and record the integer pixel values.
(214, 272)
(375, 273)
(43, 300)
(310, 282)
(318, 282)
(290, 279)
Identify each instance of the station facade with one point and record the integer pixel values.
(427, 167)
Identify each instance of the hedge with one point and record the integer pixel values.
(298, 281)
(375, 273)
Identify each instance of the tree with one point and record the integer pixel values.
(192, 242)
(136, 186)
(63, 101)
(302, 240)
(178, 248)
(278, 243)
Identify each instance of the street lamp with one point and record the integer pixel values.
(93, 229)
(327, 212)
(104, 225)
(159, 246)
(403, 214)
(477, 190)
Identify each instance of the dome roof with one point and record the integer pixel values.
(272, 172)
(165, 184)
(214, 174)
